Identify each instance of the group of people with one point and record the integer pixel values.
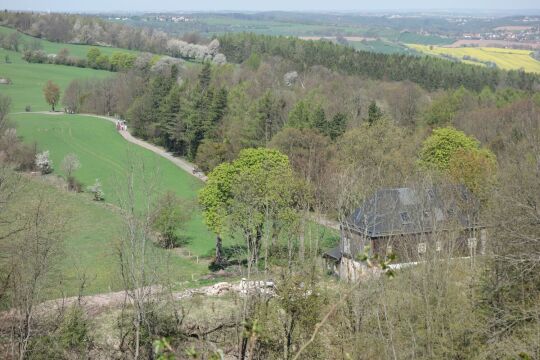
(121, 125)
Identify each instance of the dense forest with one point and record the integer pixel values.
(430, 73)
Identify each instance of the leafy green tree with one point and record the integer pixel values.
(462, 159)
(438, 149)
(169, 216)
(102, 62)
(122, 61)
(255, 190)
(93, 54)
(476, 169)
(51, 91)
(444, 109)
(254, 61)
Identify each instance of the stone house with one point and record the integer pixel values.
(410, 224)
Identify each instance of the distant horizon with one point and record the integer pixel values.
(524, 12)
(307, 6)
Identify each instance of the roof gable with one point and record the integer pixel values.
(407, 211)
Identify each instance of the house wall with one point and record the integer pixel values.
(352, 243)
(410, 248)
(406, 248)
(351, 270)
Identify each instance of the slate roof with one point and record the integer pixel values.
(334, 254)
(412, 211)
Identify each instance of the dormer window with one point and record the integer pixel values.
(405, 218)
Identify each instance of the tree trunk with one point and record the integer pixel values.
(219, 260)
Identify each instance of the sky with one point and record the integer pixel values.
(258, 5)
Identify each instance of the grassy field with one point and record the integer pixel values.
(53, 47)
(380, 46)
(92, 232)
(413, 38)
(29, 79)
(105, 155)
(509, 59)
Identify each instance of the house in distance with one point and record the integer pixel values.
(411, 224)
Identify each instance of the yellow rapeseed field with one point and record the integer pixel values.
(504, 58)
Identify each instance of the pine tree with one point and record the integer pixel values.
(337, 126)
(374, 113)
(318, 121)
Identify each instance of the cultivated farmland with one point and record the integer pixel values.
(508, 59)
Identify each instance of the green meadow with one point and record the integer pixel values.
(28, 80)
(106, 156)
(51, 47)
(92, 231)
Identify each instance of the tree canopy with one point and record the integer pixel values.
(256, 189)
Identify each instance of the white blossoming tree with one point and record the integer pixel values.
(44, 163)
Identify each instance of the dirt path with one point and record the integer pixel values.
(97, 301)
(181, 163)
(94, 304)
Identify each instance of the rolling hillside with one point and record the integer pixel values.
(29, 79)
(51, 47)
(92, 231)
(105, 155)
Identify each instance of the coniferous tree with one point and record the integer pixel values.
(374, 113)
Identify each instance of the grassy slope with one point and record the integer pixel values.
(29, 79)
(92, 231)
(104, 154)
(52, 47)
(504, 58)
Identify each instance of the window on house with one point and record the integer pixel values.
(422, 248)
(389, 249)
(472, 243)
(438, 246)
(405, 219)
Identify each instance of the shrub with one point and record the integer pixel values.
(28, 108)
(74, 330)
(44, 163)
(74, 184)
(97, 191)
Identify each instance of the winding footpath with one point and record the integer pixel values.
(181, 163)
(98, 301)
